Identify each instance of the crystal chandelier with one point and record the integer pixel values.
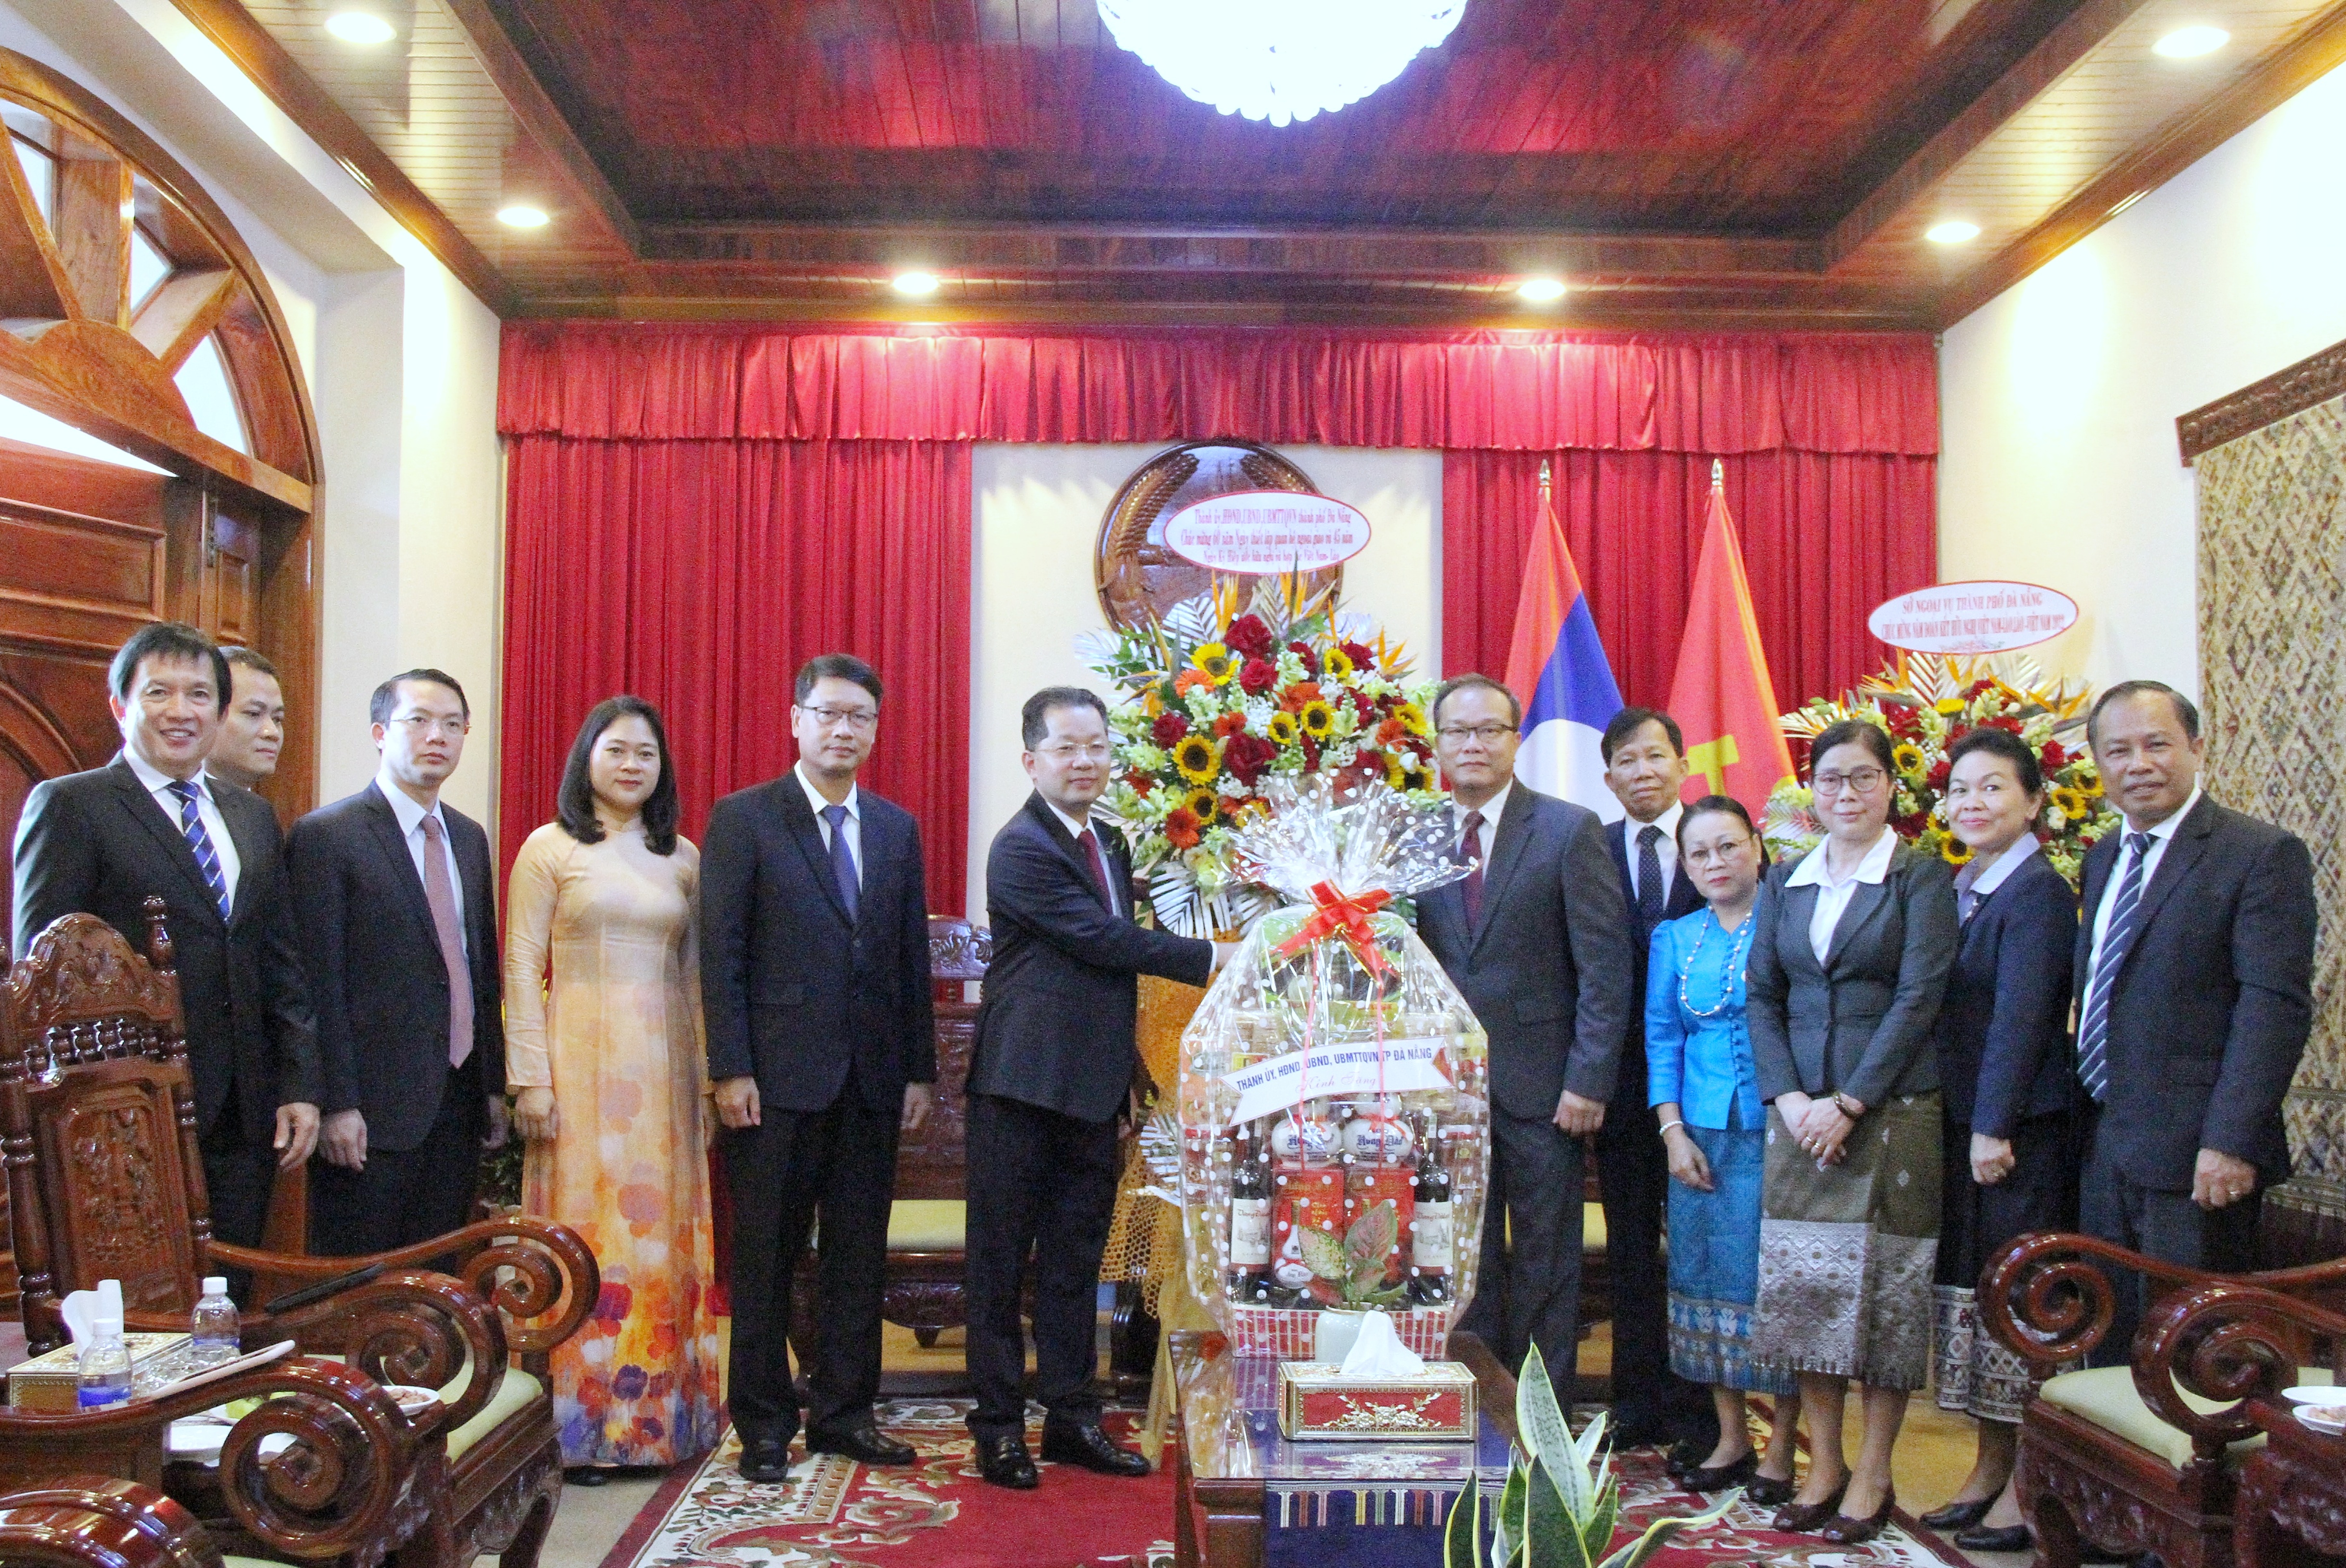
(1279, 60)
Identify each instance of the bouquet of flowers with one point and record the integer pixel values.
(1222, 698)
(1928, 701)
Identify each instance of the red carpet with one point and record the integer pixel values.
(935, 1513)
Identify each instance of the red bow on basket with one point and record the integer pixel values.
(1348, 918)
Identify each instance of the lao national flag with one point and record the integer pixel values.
(1721, 695)
(1557, 665)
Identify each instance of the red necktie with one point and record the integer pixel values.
(1470, 848)
(1099, 866)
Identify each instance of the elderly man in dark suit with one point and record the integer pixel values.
(148, 823)
(2194, 967)
(1051, 1071)
(815, 980)
(1646, 768)
(397, 918)
(1537, 940)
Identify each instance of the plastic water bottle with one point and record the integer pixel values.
(105, 1367)
(219, 1336)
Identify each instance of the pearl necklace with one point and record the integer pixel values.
(1742, 941)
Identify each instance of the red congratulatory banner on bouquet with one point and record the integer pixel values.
(1267, 531)
(1973, 618)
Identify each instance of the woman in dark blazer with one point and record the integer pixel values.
(1848, 963)
(2009, 1162)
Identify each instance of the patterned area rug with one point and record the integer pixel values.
(933, 1513)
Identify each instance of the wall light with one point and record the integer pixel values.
(523, 217)
(916, 283)
(1955, 232)
(1541, 290)
(2190, 43)
(361, 27)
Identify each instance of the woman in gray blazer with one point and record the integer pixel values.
(1849, 957)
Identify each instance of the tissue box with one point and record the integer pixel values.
(52, 1382)
(1316, 1400)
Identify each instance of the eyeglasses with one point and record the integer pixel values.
(1067, 751)
(1488, 733)
(422, 724)
(1862, 780)
(859, 719)
(1715, 854)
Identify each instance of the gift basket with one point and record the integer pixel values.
(1332, 1107)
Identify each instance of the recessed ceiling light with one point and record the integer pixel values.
(2189, 43)
(916, 283)
(523, 217)
(1955, 231)
(361, 27)
(1541, 290)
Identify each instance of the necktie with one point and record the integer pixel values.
(1470, 848)
(1649, 879)
(842, 860)
(441, 894)
(1090, 841)
(191, 823)
(2094, 1031)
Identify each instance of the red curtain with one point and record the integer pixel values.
(1826, 537)
(701, 574)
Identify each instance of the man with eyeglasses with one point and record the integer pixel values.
(814, 982)
(1053, 1068)
(395, 907)
(1537, 939)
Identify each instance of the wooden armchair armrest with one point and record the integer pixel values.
(100, 1522)
(524, 1267)
(335, 1490)
(2227, 1343)
(2048, 1297)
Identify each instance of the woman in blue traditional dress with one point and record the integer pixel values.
(1705, 1091)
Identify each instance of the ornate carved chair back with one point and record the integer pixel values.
(97, 1124)
(931, 1161)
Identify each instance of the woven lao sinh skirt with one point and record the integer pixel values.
(1846, 1252)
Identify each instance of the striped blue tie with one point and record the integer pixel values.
(2125, 924)
(191, 823)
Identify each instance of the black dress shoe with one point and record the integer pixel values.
(766, 1460)
(1687, 1456)
(587, 1475)
(1799, 1518)
(1845, 1531)
(1708, 1478)
(1769, 1492)
(1959, 1516)
(865, 1444)
(1994, 1538)
(1004, 1461)
(1083, 1444)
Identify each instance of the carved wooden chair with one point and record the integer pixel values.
(2144, 1457)
(97, 1522)
(97, 1129)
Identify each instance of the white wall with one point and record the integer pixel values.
(1038, 512)
(400, 360)
(2058, 398)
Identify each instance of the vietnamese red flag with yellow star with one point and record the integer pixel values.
(1720, 694)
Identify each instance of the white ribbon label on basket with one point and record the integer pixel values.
(1355, 1067)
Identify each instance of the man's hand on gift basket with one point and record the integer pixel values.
(1579, 1116)
(1224, 953)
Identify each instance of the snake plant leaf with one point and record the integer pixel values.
(1552, 1537)
(1540, 1420)
(1461, 1533)
(1507, 1528)
(1592, 1438)
(1324, 1255)
(1596, 1530)
(1658, 1534)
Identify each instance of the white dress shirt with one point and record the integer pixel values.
(1833, 897)
(1665, 847)
(2159, 836)
(854, 822)
(1987, 882)
(1076, 829)
(410, 827)
(158, 784)
(1491, 810)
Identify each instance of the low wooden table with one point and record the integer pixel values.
(1227, 1467)
(2290, 1508)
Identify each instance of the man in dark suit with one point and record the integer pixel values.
(1051, 1070)
(1536, 939)
(149, 823)
(252, 724)
(1646, 768)
(2194, 967)
(815, 980)
(396, 905)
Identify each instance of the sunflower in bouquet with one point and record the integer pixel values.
(1227, 692)
(1926, 702)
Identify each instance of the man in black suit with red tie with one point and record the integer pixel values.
(814, 982)
(1052, 1069)
(1646, 768)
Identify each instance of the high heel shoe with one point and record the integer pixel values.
(1769, 1491)
(1707, 1478)
(1846, 1532)
(1799, 1518)
(1959, 1515)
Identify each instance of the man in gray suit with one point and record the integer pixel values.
(1537, 939)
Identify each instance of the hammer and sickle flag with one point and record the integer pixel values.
(1721, 695)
